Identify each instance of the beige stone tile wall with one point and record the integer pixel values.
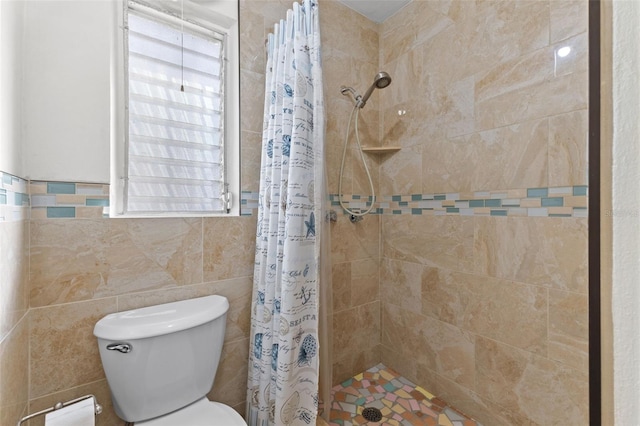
(14, 302)
(350, 53)
(490, 313)
(83, 269)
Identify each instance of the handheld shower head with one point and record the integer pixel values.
(381, 81)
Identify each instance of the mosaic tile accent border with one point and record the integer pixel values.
(566, 201)
(54, 200)
(249, 203)
(50, 200)
(14, 198)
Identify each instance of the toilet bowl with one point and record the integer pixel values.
(161, 361)
(201, 413)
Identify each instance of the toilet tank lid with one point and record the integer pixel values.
(161, 319)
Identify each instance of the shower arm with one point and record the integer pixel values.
(344, 90)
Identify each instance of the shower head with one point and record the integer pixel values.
(381, 81)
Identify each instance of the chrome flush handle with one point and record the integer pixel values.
(125, 348)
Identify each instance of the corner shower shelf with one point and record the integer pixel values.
(380, 149)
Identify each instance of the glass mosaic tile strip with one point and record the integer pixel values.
(14, 198)
(56, 200)
(539, 202)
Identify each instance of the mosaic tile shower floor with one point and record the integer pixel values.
(400, 401)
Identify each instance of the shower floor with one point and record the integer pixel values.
(400, 402)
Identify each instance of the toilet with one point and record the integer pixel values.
(161, 361)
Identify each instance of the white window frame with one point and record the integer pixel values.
(220, 16)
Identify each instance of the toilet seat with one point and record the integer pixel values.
(201, 413)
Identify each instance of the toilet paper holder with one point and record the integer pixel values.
(97, 408)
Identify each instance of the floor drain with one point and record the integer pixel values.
(372, 414)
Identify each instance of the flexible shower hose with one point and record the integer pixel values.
(355, 109)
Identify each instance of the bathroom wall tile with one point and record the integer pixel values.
(508, 312)
(556, 96)
(412, 122)
(335, 136)
(402, 172)
(252, 38)
(173, 244)
(406, 366)
(340, 23)
(568, 148)
(337, 72)
(351, 363)
(69, 260)
(414, 24)
(14, 264)
(271, 10)
(517, 73)
(84, 213)
(343, 69)
(459, 113)
(82, 259)
(61, 336)
(14, 373)
(543, 391)
(366, 320)
(230, 385)
(401, 284)
(251, 152)
(448, 165)
(228, 247)
(567, 18)
(406, 74)
(551, 252)
(341, 286)
(252, 110)
(100, 389)
(437, 345)
(355, 241)
(365, 281)
(509, 157)
(361, 183)
(507, 29)
(440, 241)
(569, 329)
(448, 46)
(398, 35)
(236, 290)
(572, 55)
(442, 107)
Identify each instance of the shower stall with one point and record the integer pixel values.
(473, 256)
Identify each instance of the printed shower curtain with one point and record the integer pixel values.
(283, 363)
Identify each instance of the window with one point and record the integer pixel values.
(181, 138)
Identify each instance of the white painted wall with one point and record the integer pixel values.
(626, 211)
(66, 89)
(11, 158)
(70, 70)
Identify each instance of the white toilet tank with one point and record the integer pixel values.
(161, 358)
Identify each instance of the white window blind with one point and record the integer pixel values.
(175, 146)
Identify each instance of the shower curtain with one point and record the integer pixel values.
(284, 350)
